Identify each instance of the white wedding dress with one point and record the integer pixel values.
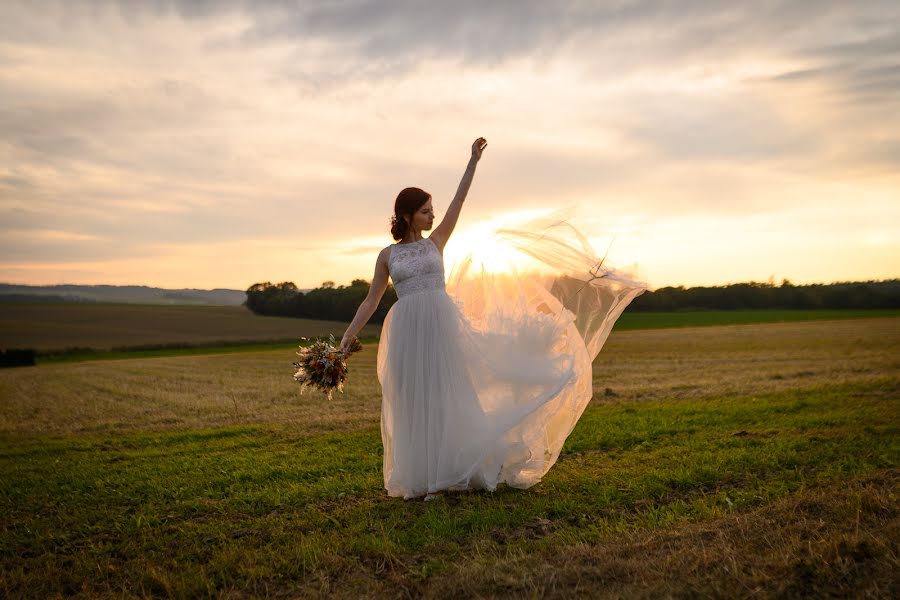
(485, 374)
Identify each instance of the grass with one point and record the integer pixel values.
(251, 388)
(77, 332)
(737, 461)
(697, 318)
(191, 511)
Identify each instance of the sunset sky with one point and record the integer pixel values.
(220, 144)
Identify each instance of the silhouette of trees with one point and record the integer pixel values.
(755, 295)
(326, 302)
(341, 303)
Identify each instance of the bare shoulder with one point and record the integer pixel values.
(384, 255)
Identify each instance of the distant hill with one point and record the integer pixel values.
(130, 294)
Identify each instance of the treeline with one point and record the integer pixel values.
(340, 303)
(325, 302)
(753, 295)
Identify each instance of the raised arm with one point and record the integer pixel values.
(367, 307)
(448, 223)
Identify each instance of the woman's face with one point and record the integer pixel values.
(424, 217)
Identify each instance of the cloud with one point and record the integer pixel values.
(132, 125)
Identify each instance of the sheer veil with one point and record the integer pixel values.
(550, 268)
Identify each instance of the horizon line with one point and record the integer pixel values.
(722, 284)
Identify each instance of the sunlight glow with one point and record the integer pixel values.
(492, 255)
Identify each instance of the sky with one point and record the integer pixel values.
(203, 144)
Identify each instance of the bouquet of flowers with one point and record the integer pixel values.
(322, 365)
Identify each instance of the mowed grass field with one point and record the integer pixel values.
(739, 460)
(84, 331)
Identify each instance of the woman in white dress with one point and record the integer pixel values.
(484, 373)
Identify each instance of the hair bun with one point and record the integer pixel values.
(399, 227)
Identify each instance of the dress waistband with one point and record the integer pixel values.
(420, 283)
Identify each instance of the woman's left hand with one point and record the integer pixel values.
(477, 147)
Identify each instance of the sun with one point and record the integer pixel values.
(490, 254)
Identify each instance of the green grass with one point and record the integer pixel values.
(698, 318)
(187, 512)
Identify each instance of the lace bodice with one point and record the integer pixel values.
(416, 267)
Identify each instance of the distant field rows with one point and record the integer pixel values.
(60, 326)
(49, 327)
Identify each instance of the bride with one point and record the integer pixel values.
(484, 373)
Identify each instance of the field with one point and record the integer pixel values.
(48, 327)
(724, 460)
(82, 331)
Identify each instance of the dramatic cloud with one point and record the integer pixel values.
(217, 144)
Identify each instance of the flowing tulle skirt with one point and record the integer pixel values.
(483, 381)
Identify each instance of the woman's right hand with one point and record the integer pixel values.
(477, 147)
